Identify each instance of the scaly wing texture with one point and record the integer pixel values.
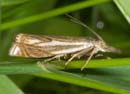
(28, 45)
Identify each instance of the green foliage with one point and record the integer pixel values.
(12, 2)
(8, 87)
(123, 5)
(47, 17)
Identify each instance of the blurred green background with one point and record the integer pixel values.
(47, 17)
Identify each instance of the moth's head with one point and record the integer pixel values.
(103, 47)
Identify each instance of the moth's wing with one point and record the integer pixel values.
(86, 52)
(68, 38)
(30, 39)
(36, 39)
(24, 50)
(36, 46)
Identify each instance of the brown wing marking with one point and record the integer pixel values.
(36, 52)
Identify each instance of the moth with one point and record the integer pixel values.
(53, 47)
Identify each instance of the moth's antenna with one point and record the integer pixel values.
(84, 25)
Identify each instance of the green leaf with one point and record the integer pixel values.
(8, 87)
(98, 79)
(52, 13)
(20, 67)
(123, 5)
(99, 63)
(99, 75)
(12, 2)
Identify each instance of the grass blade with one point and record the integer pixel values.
(12, 2)
(104, 78)
(52, 13)
(123, 5)
(8, 87)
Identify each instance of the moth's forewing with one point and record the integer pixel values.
(36, 39)
(30, 39)
(28, 45)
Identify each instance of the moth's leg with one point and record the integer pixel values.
(43, 66)
(52, 58)
(102, 55)
(75, 55)
(99, 55)
(89, 58)
(65, 56)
